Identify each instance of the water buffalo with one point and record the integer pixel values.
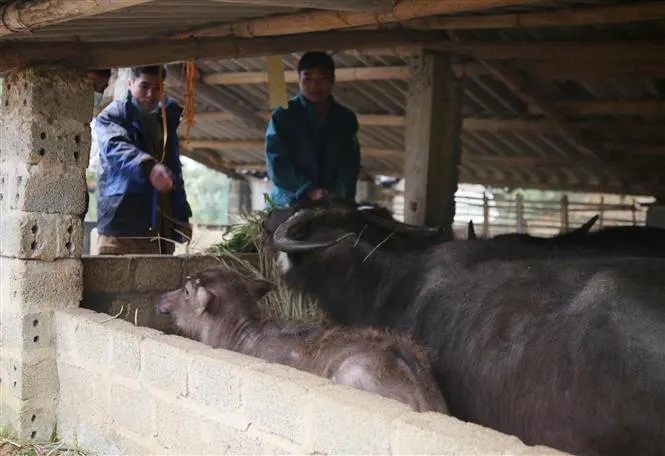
(219, 308)
(564, 351)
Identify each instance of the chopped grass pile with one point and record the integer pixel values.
(283, 302)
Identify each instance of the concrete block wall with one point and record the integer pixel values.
(44, 150)
(128, 285)
(134, 390)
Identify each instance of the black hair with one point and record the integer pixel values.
(314, 59)
(150, 69)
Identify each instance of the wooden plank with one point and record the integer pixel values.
(20, 17)
(128, 53)
(381, 6)
(341, 74)
(559, 51)
(432, 140)
(608, 107)
(317, 21)
(595, 70)
(592, 15)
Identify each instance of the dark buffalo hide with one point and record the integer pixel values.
(563, 350)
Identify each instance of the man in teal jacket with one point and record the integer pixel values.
(311, 146)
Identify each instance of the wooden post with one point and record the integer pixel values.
(519, 209)
(602, 211)
(634, 208)
(433, 146)
(486, 216)
(564, 213)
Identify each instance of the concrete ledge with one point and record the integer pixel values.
(189, 398)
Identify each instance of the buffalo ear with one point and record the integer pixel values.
(259, 288)
(203, 300)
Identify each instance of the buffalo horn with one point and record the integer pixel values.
(283, 241)
(471, 234)
(392, 224)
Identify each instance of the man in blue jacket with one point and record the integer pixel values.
(311, 146)
(140, 189)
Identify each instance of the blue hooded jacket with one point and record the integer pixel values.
(126, 200)
(302, 155)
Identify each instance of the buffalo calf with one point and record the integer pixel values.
(219, 308)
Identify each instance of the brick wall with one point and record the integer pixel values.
(132, 390)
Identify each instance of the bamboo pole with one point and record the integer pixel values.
(316, 21)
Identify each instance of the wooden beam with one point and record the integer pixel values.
(580, 186)
(341, 74)
(211, 159)
(15, 54)
(592, 15)
(467, 159)
(20, 16)
(485, 124)
(115, 54)
(546, 69)
(381, 6)
(317, 21)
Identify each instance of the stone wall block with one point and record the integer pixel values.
(38, 188)
(29, 286)
(47, 91)
(34, 419)
(35, 235)
(27, 332)
(47, 140)
(28, 379)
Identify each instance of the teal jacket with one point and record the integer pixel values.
(302, 155)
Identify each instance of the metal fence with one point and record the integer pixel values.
(502, 213)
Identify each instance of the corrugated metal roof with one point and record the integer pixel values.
(486, 97)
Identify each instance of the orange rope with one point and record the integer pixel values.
(190, 75)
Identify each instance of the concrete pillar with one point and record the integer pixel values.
(45, 145)
(240, 200)
(433, 143)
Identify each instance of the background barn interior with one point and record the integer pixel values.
(562, 97)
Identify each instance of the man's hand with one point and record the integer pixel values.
(161, 177)
(317, 194)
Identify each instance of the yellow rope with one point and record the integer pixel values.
(162, 95)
